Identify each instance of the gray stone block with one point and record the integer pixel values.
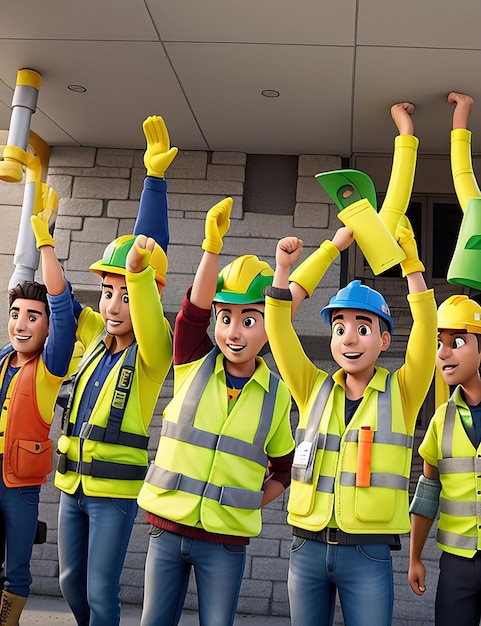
(81, 207)
(88, 187)
(62, 156)
(115, 157)
(226, 172)
(229, 158)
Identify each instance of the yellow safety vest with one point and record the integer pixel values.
(328, 483)
(210, 467)
(110, 457)
(460, 499)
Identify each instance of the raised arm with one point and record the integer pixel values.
(412, 267)
(52, 272)
(152, 217)
(152, 332)
(217, 224)
(461, 164)
(401, 180)
(305, 278)
(416, 373)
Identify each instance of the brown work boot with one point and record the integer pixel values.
(11, 608)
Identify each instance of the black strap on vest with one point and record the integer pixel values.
(121, 395)
(104, 469)
(85, 361)
(112, 432)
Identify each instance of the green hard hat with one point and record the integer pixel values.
(115, 256)
(347, 186)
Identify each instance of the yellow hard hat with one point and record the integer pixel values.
(459, 312)
(115, 255)
(243, 280)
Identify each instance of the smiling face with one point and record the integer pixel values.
(240, 335)
(27, 328)
(114, 308)
(458, 357)
(357, 340)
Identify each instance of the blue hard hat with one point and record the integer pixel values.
(358, 296)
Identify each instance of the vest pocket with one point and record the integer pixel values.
(31, 458)
(301, 498)
(374, 504)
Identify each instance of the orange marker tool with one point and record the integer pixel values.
(366, 436)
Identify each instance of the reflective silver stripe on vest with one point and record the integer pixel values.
(197, 388)
(325, 484)
(448, 430)
(457, 541)
(457, 465)
(204, 439)
(390, 481)
(184, 431)
(311, 432)
(459, 509)
(324, 441)
(227, 496)
(381, 436)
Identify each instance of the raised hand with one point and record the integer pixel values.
(288, 251)
(41, 229)
(159, 155)
(217, 224)
(139, 254)
(405, 238)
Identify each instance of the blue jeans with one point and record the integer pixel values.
(93, 535)
(218, 572)
(19, 507)
(361, 574)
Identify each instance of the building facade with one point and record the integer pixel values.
(274, 196)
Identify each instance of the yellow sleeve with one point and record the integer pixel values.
(310, 272)
(90, 325)
(416, 373)
(429, 446)
(295, 367)
(152, 330)
(401, 181)
(280, 441)
(462, 168)
(47, 386)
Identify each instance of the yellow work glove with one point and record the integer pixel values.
(49, 198)
(217, 223)
(405, 238)
(40, 229)
(159, 155)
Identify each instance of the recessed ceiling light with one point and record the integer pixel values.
(77, 88)
(270, 93)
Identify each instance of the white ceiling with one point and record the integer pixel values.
(202, 64)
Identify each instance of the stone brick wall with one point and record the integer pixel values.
(99, 191)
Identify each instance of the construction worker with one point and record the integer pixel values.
(41, 330)
(450, 479)
(225, 449)
(103, 449)
(349, 493)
